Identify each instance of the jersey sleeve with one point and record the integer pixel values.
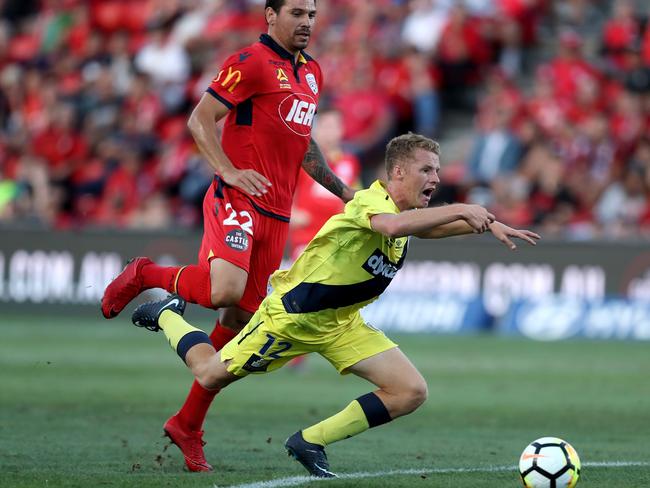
(238, 79)
(365, 204)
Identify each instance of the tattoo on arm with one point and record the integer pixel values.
(315, 165)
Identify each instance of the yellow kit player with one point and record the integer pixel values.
(314, 306)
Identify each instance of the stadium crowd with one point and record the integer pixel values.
(95, 95)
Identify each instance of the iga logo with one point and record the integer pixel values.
(297, 112)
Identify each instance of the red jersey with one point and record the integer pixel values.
(273, 102)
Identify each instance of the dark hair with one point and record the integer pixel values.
(401, 148)
(276, 5)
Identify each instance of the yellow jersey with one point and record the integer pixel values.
(346, 266)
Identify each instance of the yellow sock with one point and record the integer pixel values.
(181, 335)
(348, 422)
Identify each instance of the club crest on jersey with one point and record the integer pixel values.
(311, 81)
(297, 112)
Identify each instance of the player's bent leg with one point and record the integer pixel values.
(208, 369)
(185, 427)
(227, 283)
(192, 345)
(402, 389)
(192, 413)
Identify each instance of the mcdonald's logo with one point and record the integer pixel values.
(232, 78)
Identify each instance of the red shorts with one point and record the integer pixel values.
(238, 231)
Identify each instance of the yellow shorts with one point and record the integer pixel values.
(266, 344)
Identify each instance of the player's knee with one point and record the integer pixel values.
(208, 378)
(226, 296)
(414, 395)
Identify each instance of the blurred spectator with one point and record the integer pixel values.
(423, 25)
(552, 206)
(621, 32)
(168, 65)
(621, 207)
(120, 63)
(636, 74)
(497, 151)
(570, 68)
(26, 197)
(463, 49)
(94, 99)
(100, 105)
(423, 94)
(368, 118)
(583, 17)
(60, 144)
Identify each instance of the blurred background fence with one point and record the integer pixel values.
(558, 289)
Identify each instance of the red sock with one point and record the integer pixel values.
(193, 284)
(193, 412)
(154, 276)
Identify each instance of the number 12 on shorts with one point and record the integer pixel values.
(283, 347)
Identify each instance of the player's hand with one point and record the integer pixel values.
(477, 217)
(504, 233)
(247, 180)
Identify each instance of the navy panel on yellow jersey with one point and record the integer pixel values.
(346, 266)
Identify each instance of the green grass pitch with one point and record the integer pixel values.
(82, 402)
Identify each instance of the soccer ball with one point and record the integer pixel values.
(549, 462)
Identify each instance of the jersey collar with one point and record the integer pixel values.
(380, 187)
(268, 41)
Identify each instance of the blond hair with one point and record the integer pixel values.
(401, 148)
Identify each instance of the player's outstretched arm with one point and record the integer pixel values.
(501, 231)
(315, 165)
(201, 123)
(423, 222)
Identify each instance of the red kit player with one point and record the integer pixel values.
(268, 93)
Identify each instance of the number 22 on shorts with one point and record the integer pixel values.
(246, 225)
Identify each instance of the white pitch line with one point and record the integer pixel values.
(301, 480)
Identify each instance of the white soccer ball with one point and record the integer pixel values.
(549, 462)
